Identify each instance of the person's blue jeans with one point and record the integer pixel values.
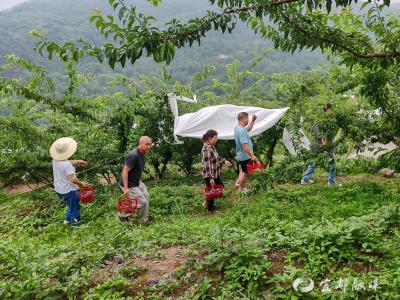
(73, 213)
(331, 168)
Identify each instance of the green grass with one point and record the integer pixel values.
(320, 232)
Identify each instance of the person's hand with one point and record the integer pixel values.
(212, 182)
(228, 164)
(81, 163)
(253, 158)
(126, 193)
(84, 184)
(326, 152)
(254, 118)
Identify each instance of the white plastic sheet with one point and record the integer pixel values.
(288, 141)
(173, 102)
(223, 119)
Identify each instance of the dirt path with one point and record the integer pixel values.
(19, 188)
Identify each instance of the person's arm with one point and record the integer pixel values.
(71, 175)
(226, 162)
(125, 172)
(249, 153)
(79, 163)
(73, 179)
(131, 161)
(251, 124)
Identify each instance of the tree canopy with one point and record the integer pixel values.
(291, 24)
(367, 41)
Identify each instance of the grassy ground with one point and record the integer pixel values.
(343, 238)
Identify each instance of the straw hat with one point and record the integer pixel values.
(63, 148)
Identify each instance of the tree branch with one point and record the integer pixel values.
(342, 45)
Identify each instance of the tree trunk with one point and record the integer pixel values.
(270, 152)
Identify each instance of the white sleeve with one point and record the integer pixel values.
(69, 169)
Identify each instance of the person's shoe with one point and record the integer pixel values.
(205, 203)
(66, 222)
(144, 222)
(334, 184)
(303, 182)
(123, 218)
(151, 219)
(76, 222)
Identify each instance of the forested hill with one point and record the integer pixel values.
(60, 19)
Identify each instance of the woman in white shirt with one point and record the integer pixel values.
(66, 184)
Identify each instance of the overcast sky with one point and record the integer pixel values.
(5, 4)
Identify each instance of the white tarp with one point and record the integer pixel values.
(173, 102)
(223, 119)
(288, 138)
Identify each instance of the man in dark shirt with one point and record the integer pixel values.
(130, 182)
(324, 134)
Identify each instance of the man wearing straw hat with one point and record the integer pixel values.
(130, 182)
(66, 184)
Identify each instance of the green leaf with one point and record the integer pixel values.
(121, 13)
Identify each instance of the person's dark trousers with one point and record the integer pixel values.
(71, 199)
(210, 203)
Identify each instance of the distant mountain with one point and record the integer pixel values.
(69, 19)
(7, 4)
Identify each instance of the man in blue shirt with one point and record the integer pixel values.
(244, 147)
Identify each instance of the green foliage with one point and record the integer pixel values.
(367, 43)
(391, 160)
(132, 271)
(40, 14)
(114, 288)
(136, 33)
(357, 166)
(321, 232)
(243, 264)
(290, 169)
(173, 201)
(318, 231)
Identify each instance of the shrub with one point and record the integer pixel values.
(391, 160)
(290, 169)
(356, 165)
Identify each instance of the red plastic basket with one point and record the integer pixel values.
(127, 206)
(214, 192)
(86, 195)
(253, 166)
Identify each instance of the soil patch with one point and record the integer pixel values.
(277, 257)
(19, 188)
(151, 270)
